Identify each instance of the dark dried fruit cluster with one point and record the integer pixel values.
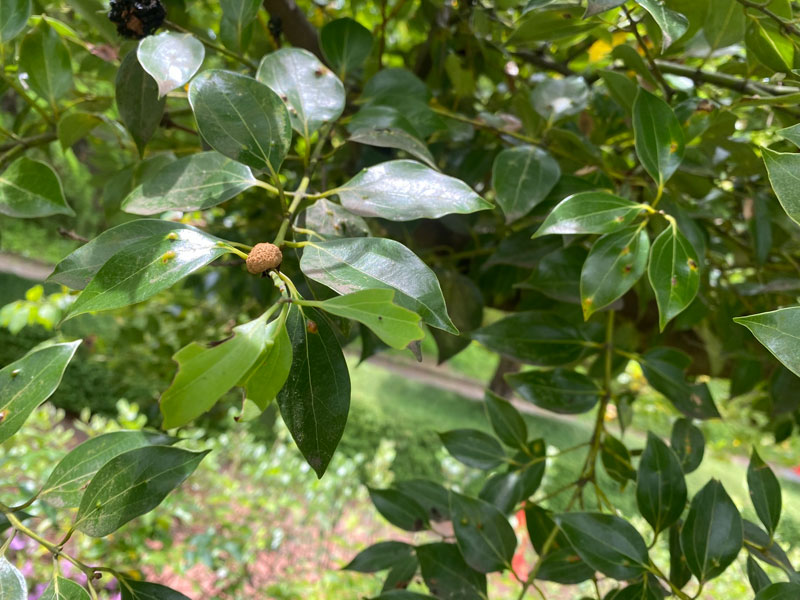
(137, 19)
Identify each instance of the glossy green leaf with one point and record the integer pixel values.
(45, 58)
(29, 381)
(132, 484)
(724, 24)
(506, 490)
(404, 190)
(485, 537)
(756, 576)
(137, 101)
(346, 44)
(679, 573)
(688, 443)
(393, 82)
(395, 325)
(549, 25)
(522, 177)
(330, 220)
(664, 369)
(782, 590)
(352, 264)
(590, 212)
(65, 485)
(660, 485)
(615, 263)
(431, 496)
(674, 273)
(316, 398)
(791, 134)
(767, 43)
(13, 18)
(12, 583)
(205, 374)
(660, 143)
(778, 331)
(558, 274)
(74, 126)
(170, 58)
(784, 175)
(559, 391)
(399, 509)
(393, 137)
(506, 421)
(271, 370)
(236, 26)
(616, 459)
(380, 556)
(446, 574)
(759, 544)
(555, 99)
(765, 492)
(314, 96)
(61, 588)
(241, 118)
(195, 182)
(672, 24)
(29, 189)
(712, 535)
(474, 448)
(606, 543)
(143, 590)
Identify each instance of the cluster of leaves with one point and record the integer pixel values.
(596, 143)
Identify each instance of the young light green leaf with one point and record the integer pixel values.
(380, 556)
(346, 44)
(484, 535)
(61, 588)
(615, 263)
(473, 448)
(316, 398)
(64, 486)
(688, 443)
(44, 56)
(195, 182)
(506, 421)
(132, 484)
(12, 583)
(170, 58)
(313, 95)
(142, 590)
(29, 189)
(74, 126)
(353, 264)
(13, 17)
(672, 24)
(522, 177)
(236, 26)
(590, 212)
(29, 381)
(137, 101)
(765, 492)
(549, 25)
(712, 534)
(660, 485)
(268, 374)
(393, 137)
(205, 374)
(399, 509)
(674, 274)
(560, 390)
(395, 325)
(659, 139)
(778, 331)
(404, 190)
(241, 118)
(143, 269)
(784, 175)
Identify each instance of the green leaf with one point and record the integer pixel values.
(170, 58)
(674, 273)
(399, 509)
(550, 25)
(78, 268)
(61, 588)
(555, 99)
(395, 325)
(65, 485)
(522, 177)
(617, 460)
(142, 590)
(30, 189)
(398, 594)
(725, 24)
(506, 421)
(615, 263)
(606, 543)
(658, 135)
(74, 126)
(664, 369)
(784, 175)
(688, 443)
(195, 182)
(380, 556)
(270, 372)
(12, 583)
(779, 591)
(560, 390)
(313, 95)
(712, 533)
(595, 7)
(485, 537)
(679, 573)
(143, 269)
(508, 489)
(473, 448)
(464, 300)
(393, 137)
(590, 212)
(759, 544)
(765, 492)
(558, 274)
(660, 485)
(241, 118)
(316, 398)
(778, 331)
(330, 220)
(132, 484)
(236, 26)
(205, 374)
(756, 576)
(137, 101)
(404, 190)
(13, 18)
(672, 24)
(431, 496)
(352, 264)
(44, 56)
(346, 45)
(767, 43)
(446, 574)
(537, 337)
(29, 381)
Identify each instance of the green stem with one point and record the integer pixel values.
(30, 101)
(299, 194)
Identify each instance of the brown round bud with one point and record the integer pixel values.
(263, 257)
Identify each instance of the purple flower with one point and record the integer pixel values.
(27, 569)
(17, 544)
(37, 591)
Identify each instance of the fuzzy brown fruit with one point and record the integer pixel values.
(263, 257)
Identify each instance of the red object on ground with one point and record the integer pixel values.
(518, 563)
